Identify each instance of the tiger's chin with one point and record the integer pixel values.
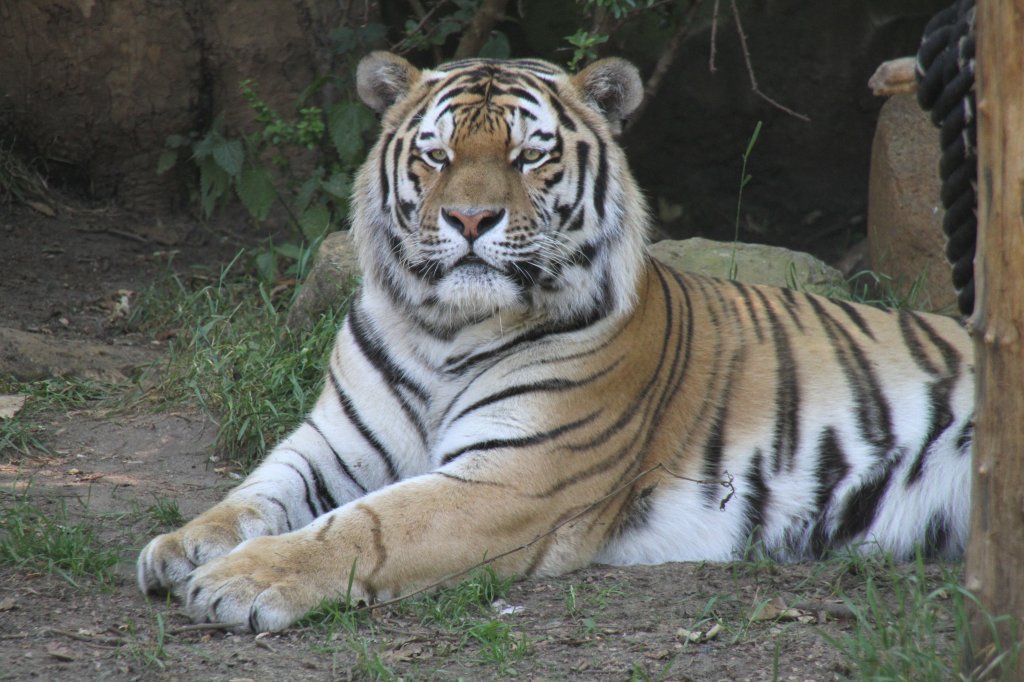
(475, 292)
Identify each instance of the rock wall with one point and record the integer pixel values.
(93, 87)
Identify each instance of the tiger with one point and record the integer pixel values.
(518, 383)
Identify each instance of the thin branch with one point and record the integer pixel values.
(665, 60)
(750, 69)
(727, 483)
(405, 44)
(714, 35)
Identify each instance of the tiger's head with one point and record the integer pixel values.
(497, 189)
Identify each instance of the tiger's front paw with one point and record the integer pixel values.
(166, 562)
(265, 584)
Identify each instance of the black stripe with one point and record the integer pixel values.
(748, 302)
(966, 437)
(392, 375)
(542, 386)
(385, 185)
(520, 442)
(646, 392)
(855, 316)
(457, 364)
(714, 448)
(522, 93)
(939, 391)
(936, 536)
(786, 440)
(350, 411)
(323, 495)
(337, 457)
(831, 470)
(756, 495)
(309, 496)
(873, 412)
(281, 505)
(862, 505)
(791, 307)
(601, 180)
(563, 117)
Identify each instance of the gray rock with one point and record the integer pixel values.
(30, 357)
(754, 264)
(333, 276)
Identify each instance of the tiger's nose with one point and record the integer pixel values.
(473, 222)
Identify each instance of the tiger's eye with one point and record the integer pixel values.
(438, 155)
(531, 155)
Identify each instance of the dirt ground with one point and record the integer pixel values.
(604, 623)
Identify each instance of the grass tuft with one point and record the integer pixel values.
(49, 541)
(909, 626)
(233, 355)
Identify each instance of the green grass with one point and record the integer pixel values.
(49, 541)
(463, 611)
(19, 435)
(146, 652)
(233, 355)
(164, 512)
(911, 626)
(880, 291)
(453, 607)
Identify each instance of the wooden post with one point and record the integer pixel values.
(995, 553)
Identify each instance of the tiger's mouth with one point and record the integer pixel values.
(471, 259)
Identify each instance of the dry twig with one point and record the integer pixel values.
(750, 69)
(665, 60)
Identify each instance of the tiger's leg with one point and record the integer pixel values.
(348, 445)
(409, 535)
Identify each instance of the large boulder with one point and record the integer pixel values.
(331, 280)
(905, 211)
(335, 271)
(752, 264)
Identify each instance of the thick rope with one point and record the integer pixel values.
(945, 75)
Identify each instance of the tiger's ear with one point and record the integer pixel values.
(612, 86)
(383, 78)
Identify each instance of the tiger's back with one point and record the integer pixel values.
(518, 382)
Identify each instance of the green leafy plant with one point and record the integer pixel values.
(302, 163)
(584, 45)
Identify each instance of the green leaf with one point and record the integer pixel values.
(213, 183)
(291, 251)
(496, 47)
(305, 194)
(315, 221)
(255, 188)
(229, 155)
(168, 158)
(266, 265)
(347, 123)
(337, 186)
